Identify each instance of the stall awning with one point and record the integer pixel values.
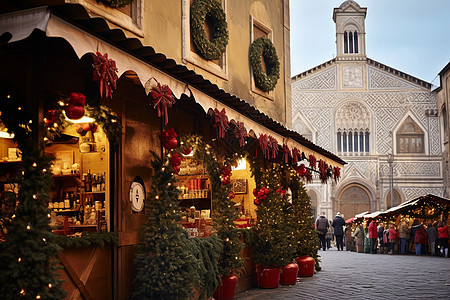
(130, 55)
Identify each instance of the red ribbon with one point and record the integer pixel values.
(262, 141)
(286, 153)
(312, 161)
(240, 132)
(162, 99)
(308, 176)
(295, 155)
(221, 122)
(337, 173)
(273, 145)
(105, 71)
(323, 171)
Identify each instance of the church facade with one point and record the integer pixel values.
(382, 122)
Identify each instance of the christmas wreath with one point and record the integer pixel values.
(116, 3)
(210, 10)
(266, 81)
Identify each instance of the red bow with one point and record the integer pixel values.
(105, 71)
(301, 170)
(312, 161)
(162, 99)
(323, 171)
(260, 195)
(286, 153)
(221, 122)
(240, 132)
(273, 144)
(337, 174)
(262, 141)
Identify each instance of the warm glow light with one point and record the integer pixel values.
(242, 165)
(6, 135)
(84, 119)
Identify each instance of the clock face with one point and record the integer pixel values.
(137, 195)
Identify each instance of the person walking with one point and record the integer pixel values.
(322, 226)
(443, 238)
(432, 238)
(373, 235)
(403, 233)
(329, 236)
(338, 224)
(392, 236)
(420, 239)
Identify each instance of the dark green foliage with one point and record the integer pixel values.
(211, 10)
(109, 122)
(27, 257)
(274, 240)
(305, 233)
(263, 47)
(169, 264)
(87, 239)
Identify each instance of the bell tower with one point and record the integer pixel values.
(350, 31)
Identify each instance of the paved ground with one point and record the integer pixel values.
(350, 275)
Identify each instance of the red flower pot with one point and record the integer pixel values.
(227, 289)
(305, 266)
(267, 278)
(289, 274)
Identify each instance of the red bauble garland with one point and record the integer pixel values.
(240, 132)
(262, 141)
(169, 139)
(337, 173)
(105, 71)
(75, 106)
(260, 195)
(221, 122)
(273, 145)
(286, 153)
(176, 162)
(163, 98)
(312, 161)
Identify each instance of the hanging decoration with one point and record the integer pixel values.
(263, 49)
(295, 155)
(163, 98)
(169, 139)
(231, 195)
(337, 173)
(273, 145)
(75, 106)
(187, 151)
(286, 153)
(202, 10)
(176, 162)
(308, 176)
(51, 116)
(260, 195)
(105, 71)
(301, 170)
(240, 132)
(312, 161)
(262, 141)
(323, 171)
(281, 191)
(225, 174)
(221, 122)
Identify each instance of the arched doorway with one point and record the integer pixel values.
(313, 197)
(396, 199)
(354, 200)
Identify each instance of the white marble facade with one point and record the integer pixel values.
(363, 111)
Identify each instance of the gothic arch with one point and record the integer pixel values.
(304, 127)
(355, 195)
(397, 199)
(314, 201)
(353, 115)
(409, 114)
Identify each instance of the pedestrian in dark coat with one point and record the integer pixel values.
(322, 226)
(338, 224)
(432, 238)
(373, 235)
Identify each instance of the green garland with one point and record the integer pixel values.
(109, 121)
(209, 9)
(264, 47)
(116, 3)
(87, 239)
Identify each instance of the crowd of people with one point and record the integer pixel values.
(426, 238)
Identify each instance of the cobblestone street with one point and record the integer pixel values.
(351, 275)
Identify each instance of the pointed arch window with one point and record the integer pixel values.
(345, 42)
(410, 137)
(355, 38)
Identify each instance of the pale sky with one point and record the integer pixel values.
(412, 36)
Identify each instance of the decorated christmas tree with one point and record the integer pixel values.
(274, 241)
(27, 256)
(169, 264)
(305, 233)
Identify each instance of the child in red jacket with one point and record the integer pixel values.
(392, 237)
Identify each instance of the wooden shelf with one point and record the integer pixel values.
(89, 193)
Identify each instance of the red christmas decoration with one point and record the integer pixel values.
(240, 132)
(225, 175)
(187, 151)
(221, 122)
(312, 161)
(262, 141)
(260, 195)
(51, 116)
(84, 128)
(176, 162)
(231, 195)
(286, 153)
(105, 71)
(295, 155)
(301, 170)
(323, 171)
(281, 191)
(75, 107)
(169, 139)
(163, 98)
(308, 176)
(337, 173)
(273, 145)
